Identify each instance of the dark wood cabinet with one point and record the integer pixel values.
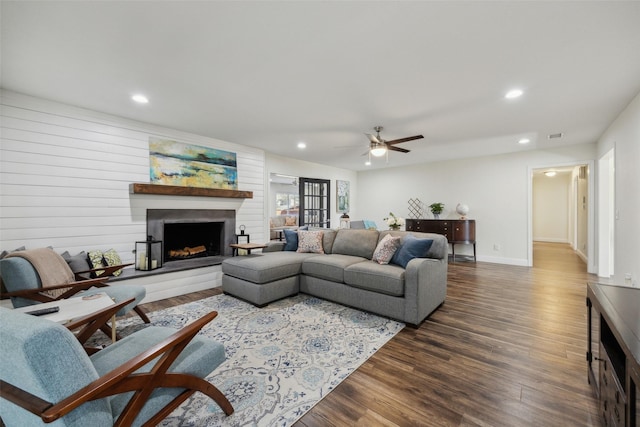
(457, 231)
(613, 352)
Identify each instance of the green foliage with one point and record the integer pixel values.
(436, 208)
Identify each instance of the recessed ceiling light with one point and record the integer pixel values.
(524, 141)
(514, 93)
(140, 99)
(550, 173)
(302, 145)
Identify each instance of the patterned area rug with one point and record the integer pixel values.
(281, 359)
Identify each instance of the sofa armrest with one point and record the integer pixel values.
(425, 287)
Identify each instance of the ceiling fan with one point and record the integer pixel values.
(378, 147)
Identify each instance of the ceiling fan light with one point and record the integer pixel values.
(378, 151)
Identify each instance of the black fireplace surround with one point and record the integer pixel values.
(189, 234)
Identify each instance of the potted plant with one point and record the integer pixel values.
(436, 209)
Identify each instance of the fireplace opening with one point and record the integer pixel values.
(192, 236)
(188, 240)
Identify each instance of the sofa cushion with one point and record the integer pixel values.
(329, 267)
(264, 268)
(383, 278)
(385, 249)
(310, 241)
(360, 243)
(328, 236)
(411, 248)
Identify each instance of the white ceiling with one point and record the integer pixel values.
(270, 74)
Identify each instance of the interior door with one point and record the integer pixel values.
(314, 202)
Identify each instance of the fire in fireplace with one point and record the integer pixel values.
(192, 233)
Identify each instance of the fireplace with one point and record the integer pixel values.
(192, 233)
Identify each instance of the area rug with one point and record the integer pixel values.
(281, 359)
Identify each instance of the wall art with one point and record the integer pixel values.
(342, 190)
(186, 165)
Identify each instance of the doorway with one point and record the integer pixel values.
(314, 202)
(561, 209)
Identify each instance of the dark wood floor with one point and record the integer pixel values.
(506, 349)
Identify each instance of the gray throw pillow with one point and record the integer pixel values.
(77, 262)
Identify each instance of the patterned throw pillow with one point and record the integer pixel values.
(290, 220)
(112, 258)
(96, 261)
(310, 241)
(385, 249)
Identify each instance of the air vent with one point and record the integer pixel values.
(555, 135)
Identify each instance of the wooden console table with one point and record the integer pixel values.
(457, 231)
(613, 352)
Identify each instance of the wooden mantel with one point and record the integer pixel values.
(173, 190)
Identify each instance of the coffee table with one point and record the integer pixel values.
(246, 246)
(75, 308)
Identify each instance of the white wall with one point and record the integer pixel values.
(65, 175)
(494, 187)
(299, 168)
(551, 202)
(624, 136)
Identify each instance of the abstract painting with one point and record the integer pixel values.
(342, 188)
(186, 165)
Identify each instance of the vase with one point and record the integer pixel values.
(394, 227)
(436, 216)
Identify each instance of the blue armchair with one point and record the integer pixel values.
(47, 377)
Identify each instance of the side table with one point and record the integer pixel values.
(246, 246)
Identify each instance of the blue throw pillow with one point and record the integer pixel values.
(411, 248)
(291, 237)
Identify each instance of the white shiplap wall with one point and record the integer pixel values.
(64, 182)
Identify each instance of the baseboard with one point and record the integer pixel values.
(501, 260)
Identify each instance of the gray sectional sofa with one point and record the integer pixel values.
(346, 274)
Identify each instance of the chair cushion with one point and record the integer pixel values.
(120, 293)
(382, 278)
(200, 358)
(28, 345)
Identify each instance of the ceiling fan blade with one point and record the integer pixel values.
(409, 138)
(373, 138)
(392, 148)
